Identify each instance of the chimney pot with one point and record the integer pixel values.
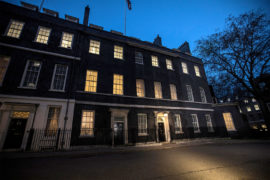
(86, 15)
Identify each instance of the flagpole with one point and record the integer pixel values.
(125, 16)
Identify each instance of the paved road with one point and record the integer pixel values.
(209, 161)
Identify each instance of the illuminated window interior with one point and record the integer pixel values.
(118, 84)
(87, 123)
(118, 52)
(20, 115)
(91, 81)
(15, 29)
(67, 40)
(248, 108)
(253, 100)
(184, 68)
(142, 124)
(31, 74)
(138, 58)
(203, 97)
(43, 35)
(94, 47)
(245, 101)
(256, 107)
(209, 123)
(189, 93)
(195, 123)
(197, 71)
(173, 92)
(155, 61)
(53, 118)
(158, 90)
(4, 61)
(228, 121)
(140, 87)
(59, 78)
(169, 64)
(177, 124)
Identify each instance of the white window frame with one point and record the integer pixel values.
(138, 57)
(140, 82)
(197, 71)
(158, 90)
(92, 134)
(24, 75)
(169, 64)
(115, 85)
(5, 70)
(91, 81)
(140, 124)
(202, 94)
(195, 122)
(118, 54)
(54, 72)
(61, 42)
(37, 34)
(154, 60)
(209, 123)
(173, 92)
(95, 48)
(231, 128)
(10, 22)
(178, 122)
(184, 68)
(189, 93)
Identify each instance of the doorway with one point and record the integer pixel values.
(118, 129)
(161, 133)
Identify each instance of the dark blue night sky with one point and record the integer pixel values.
(175, 21)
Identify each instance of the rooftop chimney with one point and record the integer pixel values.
(185, 48)
(157, 41)
(86, 15)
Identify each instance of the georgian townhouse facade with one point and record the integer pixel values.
(101, 87)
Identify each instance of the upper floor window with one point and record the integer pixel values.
(158, 90)
(228, 121)
(253, 100)
(87, 123)
(177, 124)
(209, 123)
(31, 74)
(155, 61)
(52, 120)
(197, 71)
(140, 87)
(142, 124)
(91, 81)
(4, 62)
(169, 64)
(67, 39)
(246, 101)
(118, 52)
(94, 47)
(138, 58)
(15, 28)
(173, 92)
(203, 97)
(189, 93)
(43, 35)
(184, 68)
(59, 77)
(195, 123)
(256, 107)
(248, 108)
(118, 84)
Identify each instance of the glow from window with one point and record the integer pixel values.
(189, 93)
(256, 107)
(209, 123)
(142, 124)
(228, 121)
(67, 40)
(87, 123)
(195, 123)
(91, 81)
(158, 90)
(140, 87)
(173, 92)
(43, 35)
(118, 52)
(197, 71)
(155, 61)
(94, 47)
(15, 29)
(248, 108)
(118, 84)
(184, 68)
(177, 124)
(169, 64)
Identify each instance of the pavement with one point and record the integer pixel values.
(88, 151)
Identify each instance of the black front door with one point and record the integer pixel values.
(161, 133)
(118, 133)
(15, 133)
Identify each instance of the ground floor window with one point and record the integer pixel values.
(228, 121)
(178, 124)
(52, 120)
(195, 123)
(142, 124)
(87, 123)
(209, 123)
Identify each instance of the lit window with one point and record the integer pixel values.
(142, 124)
(31, 74)
(264, 126)
(138, 58)
(52, 121)
(189, 93)
(94, 47)
(173, 92)
(158, 90)
(256, 107)
(4, 61)
(66, 40)
(195, 123)
(177, 124)
(87, 123)
(209, 123)
(91, 81)
(15, 29)
(248, 108)
(203, 97)
(59, 77)
(197, 71)
(253, 100)
(169, 64)
(184, 68)
(43, 35)
(140, 87)
(118, 84)
(246, 101)
(118, 52)
(228, 121)
(155, 61)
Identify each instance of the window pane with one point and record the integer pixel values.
(94, 47)
(91, 81)
(66, 40)
(228, 121)
(158, 90)
(178, 124)
(184, 68)
(138, 58)
(197, 71)
(209, 123)
(195, 123)
(118, 84)
(31, 74)
(4, 61)
(140, 87)
(118, 52)
(142, 124)
(43, 35)
(173, 92)
(52, 120)
(15, 29)
(189, 93)
(87, 123)
(202, 92)
(155, 61)
(169, 64)
(60, 73)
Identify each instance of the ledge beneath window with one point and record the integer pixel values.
(143, 134)
(54, 90)
(22, 87)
